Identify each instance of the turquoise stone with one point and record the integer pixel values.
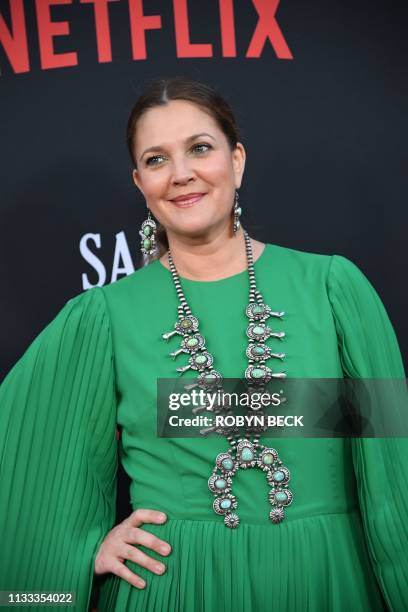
(226, 503)
(267, 458)
(227, 464)
(257, 373)
(210, 377)
(186, 323)
(258, 309)
(281, 496)
(258, 330)
(192, 342)
(220, 483)
(247, 454)
(147, 243)
(147, 230)
(258, 350)
(200, 359)
(278, 476)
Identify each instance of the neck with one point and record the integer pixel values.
(212, 259)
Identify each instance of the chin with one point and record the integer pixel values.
(193, 229)
(190, 220)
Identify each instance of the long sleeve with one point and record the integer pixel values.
(58, 454)
(369, 349)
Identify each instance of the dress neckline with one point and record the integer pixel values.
(189, 281)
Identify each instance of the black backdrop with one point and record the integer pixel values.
(320, 93)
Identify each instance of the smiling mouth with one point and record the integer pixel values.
(187, 203)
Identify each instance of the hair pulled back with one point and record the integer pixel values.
(160, 92)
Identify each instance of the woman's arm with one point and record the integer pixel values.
(58, 453)
(369, 349)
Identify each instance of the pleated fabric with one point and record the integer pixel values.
(343, 543)
(58, 454)
(369, 349)
(319, 563)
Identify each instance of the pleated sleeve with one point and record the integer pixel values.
(368, 348)
(58, 454)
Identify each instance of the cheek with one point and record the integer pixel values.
(217, 171)
(154, 184)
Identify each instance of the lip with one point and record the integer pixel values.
(187, 200)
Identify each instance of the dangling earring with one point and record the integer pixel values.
(148, 233)
(237, 213)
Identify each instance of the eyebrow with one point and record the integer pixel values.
(187, 140)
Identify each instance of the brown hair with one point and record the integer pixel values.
(160, 92)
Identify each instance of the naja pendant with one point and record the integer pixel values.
(245, 455)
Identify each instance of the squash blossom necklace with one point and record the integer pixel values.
(243, 452)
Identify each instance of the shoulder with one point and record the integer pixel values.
(87, 310)
(346, 279)
(298, 256)
(97, 298)
(304, 266)
(333, 266)
(89, 300)
(141, 278)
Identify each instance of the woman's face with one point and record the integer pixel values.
(188, 153)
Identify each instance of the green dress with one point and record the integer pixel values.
(343, 544)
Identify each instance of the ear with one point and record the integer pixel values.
(136, 180)
(238, 160)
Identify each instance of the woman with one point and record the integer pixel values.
(342, 542)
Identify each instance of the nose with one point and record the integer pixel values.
(182, 172)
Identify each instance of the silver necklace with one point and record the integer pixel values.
(244, 452)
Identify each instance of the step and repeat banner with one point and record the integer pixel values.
(320, 95)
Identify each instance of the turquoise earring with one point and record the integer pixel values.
(237, 213)
(148, 236)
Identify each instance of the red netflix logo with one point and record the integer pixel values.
(13, 36)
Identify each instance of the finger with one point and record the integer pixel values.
(124, 572)
(143, 515)
(140, 558)
(144, 538)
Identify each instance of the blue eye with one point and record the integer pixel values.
(201, 144)
(149, 159)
